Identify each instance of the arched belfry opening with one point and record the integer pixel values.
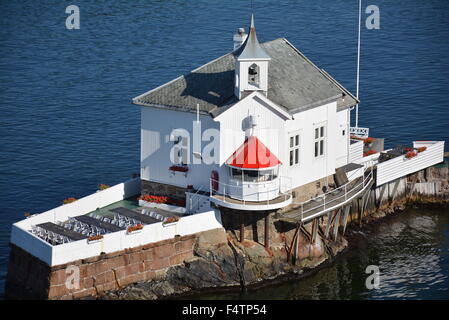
(251, 68)
(254, 75)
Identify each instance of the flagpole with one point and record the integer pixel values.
(358, 67)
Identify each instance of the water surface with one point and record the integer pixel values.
(66, 121)
(411, 250)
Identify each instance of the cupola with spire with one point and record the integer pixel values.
(251, 70)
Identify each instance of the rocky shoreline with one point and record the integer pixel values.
(221, 263)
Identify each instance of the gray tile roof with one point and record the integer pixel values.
(294, 83)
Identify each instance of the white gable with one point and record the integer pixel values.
(235, 124)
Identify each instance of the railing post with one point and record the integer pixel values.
(346, 193)
(324, 200)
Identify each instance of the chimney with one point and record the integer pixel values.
(239, 38)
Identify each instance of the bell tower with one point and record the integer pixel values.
(251, 70)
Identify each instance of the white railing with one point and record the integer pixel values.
(257, 196)
(359, 132)
(355, 150)
(192, 197)
(400, 166)
(329, 200)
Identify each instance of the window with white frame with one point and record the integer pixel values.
(320, 140)
(294, 149)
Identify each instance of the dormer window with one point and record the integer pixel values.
(253, 75)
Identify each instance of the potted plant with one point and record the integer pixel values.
(421, 149)
(170, 221)
(94, 239)
(103, 186)
(410, 154)
(69, 200)
(134, 229)
(369, 141)
(369, 152)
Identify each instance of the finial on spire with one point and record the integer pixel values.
(252, 20)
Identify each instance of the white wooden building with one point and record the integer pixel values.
(212, 129)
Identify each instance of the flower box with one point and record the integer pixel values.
(134, 229)
(179, 168)
(94, 239)
(153, 198)
(69, 200)
(162, 200)
(170, 221)
(421, 149)
(410, 154)
(103, 186)
(368, 140)
(369, 152)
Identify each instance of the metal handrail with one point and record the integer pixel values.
(345, 195)
(198, 198)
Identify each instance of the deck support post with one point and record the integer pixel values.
(381, 195)
(395, 189)
(345, 217)
(364, 202)
(314, 230)
(336, 224)
(328, 225)
(242, 229)
(412, 184)
(296, 248)
(293, 243)
(267, 231)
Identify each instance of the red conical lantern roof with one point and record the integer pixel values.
(253, 154)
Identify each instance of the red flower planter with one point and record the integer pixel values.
(179, 168)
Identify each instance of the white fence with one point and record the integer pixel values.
(401, 166)
(121, 240)
(355, 151)
(111, 242)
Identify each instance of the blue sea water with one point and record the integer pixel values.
(66, 118)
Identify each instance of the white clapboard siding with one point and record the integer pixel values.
(355, 151)
(399, 167)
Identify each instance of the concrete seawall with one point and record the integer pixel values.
(30, 278)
